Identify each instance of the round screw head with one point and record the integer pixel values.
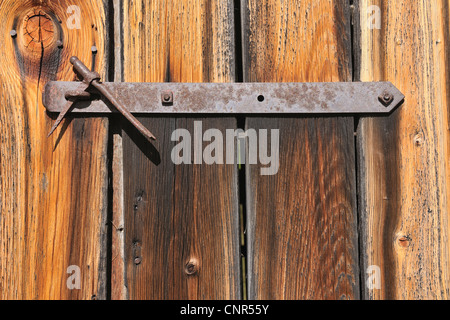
(59, 44)
(166, 97)
(13, 33)
(137, 260)
(94, 49)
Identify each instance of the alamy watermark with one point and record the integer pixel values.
(237, 147)
(74, 280)
(373, 277)
(74, 20)
(374, 17)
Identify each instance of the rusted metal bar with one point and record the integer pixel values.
(234, 98)
(123, 110)
(91, 79)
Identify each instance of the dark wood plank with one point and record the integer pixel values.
(403, 160)
(181, 221)
(53, 191)
(302, 226)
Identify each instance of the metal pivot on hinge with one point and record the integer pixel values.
(216, 98)
(91, 82)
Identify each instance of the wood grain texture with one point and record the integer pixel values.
(302, 228)
(118, 285)
(52, 191)
(181, 222)
(404, 160)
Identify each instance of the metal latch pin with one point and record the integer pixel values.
(92, 79)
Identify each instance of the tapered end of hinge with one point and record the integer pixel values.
(391, 97)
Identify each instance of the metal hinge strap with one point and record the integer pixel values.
(92, 96)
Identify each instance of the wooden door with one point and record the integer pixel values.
(357, 209)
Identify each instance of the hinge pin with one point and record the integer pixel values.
(92, 79)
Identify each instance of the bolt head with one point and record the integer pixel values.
(386, 99)
(59, 44)
(167, 97)
(94, 49)
(137, 260)
(13, 33)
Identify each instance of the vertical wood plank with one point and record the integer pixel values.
(302, 228)
(181, 222)
(404, 160)
(53, 191)
(118, 284)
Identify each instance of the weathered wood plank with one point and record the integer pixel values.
(181, 222)
(118, 285)
(403, 160)
(53, 192)
(302, 228)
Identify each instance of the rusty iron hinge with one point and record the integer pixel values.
(93, 96)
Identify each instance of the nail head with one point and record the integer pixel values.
(13, 33)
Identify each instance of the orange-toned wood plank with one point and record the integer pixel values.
(53, 191)
(404, 160)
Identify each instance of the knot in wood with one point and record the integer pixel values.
(191, 268)
(419, 139)
(39, 31)
(404, 241)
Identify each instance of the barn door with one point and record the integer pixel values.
(98, 212)
(106, 214)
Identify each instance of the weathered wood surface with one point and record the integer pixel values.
(118, 284)
(180, 222)
(53, 197)
(302, 228)
(404, 160)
